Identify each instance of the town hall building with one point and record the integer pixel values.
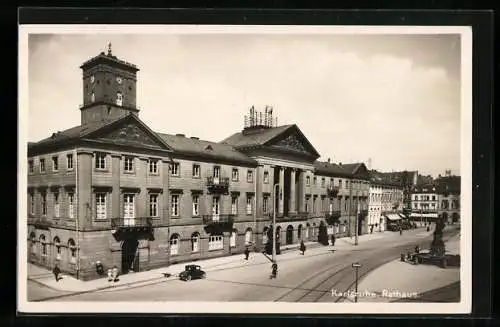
(112, 190)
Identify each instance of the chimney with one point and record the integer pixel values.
(328, 160)
(181, 135)
(340, 164)
(195, 138)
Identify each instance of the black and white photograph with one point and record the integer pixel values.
(245, 169)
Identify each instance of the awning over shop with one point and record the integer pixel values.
(424, 215)
(402, 216)
(393, 217)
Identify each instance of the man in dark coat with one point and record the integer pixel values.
(302, 247)
(247, 253)
(56, 271)
(333, 240)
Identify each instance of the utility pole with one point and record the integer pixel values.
(275, 187)
(356, 267)
(356, 226)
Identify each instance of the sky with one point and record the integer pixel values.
(392, 100)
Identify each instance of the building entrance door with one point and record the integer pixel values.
(130, 260)
(289, 235)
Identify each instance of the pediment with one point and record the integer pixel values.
(293, 141)
(362, 171)
(129, 132)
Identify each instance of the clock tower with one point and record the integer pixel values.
(109, 88)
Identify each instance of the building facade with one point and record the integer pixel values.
(114, 191)
(425, 203)
(449, 198)
(386, 202)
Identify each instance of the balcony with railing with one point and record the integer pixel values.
(40, 223)
(136, 224)
(218, 219)
(218, 185)
(332, 191)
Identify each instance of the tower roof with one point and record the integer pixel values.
(109, 59)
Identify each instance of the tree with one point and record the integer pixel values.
(322, 234)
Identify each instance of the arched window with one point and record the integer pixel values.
(43, 244)
(299, 232)
(232, 239)
(248, 236)
(195, 242)
(314, 230)
(33, 242)
(264, 235)
(57, 245)
(174, 244)
(72, 250)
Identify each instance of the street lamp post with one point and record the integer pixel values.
(274, 221)
(356, 267)
(356, 226)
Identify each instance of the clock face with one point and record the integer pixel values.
(92, 78)
(119, 80)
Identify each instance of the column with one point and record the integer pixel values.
(302, 190)
(281, 190)
(292, 207)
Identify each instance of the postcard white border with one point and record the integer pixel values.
(463, 307)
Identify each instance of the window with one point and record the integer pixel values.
(323, 182)
(92, 97)
(100, 201)
(55, 163)
(42, 165)
(249, 204)
(153, 205)
(433, 198)
(216, 171)
(266, 177)
(32, 203)
(174, 169)
(33, 242)
(308, 180)
(174, 244)
(44, 203)
(196, 171)
(43, 244)
(250, 176)
(234, 205)
(100, 160)
(195, 242)
(119, 98)
(129, 209)
(265, 204)
(215, 242)
(72, 249)
(248, 236)
(69, 161)
(415, 205)
(129, 164)
(307, 204)
(196, 205)
(235, 175)
(71, 199)
(340, 183)
(314, 204)
(215, 208)
(56, 204)
(314, 180)
(232, 239)
(264, 235)
(175, 205)
(57, 244)
(347, 184)
(30, 166)
(153, 166)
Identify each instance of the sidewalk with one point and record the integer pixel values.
(397, 280)
(71, 284)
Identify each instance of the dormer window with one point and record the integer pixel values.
(119, 98)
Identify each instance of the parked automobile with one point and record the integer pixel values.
(192, 272)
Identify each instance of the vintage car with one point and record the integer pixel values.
(192, 272)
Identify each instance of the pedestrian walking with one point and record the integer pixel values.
(302, 247)
(400, 231)
(333, 240)
(56, 271)
(247, 253)
(417, 249)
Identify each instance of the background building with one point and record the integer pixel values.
(448, 187)
(386, 201)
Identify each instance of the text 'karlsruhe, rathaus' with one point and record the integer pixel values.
(115, 191)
